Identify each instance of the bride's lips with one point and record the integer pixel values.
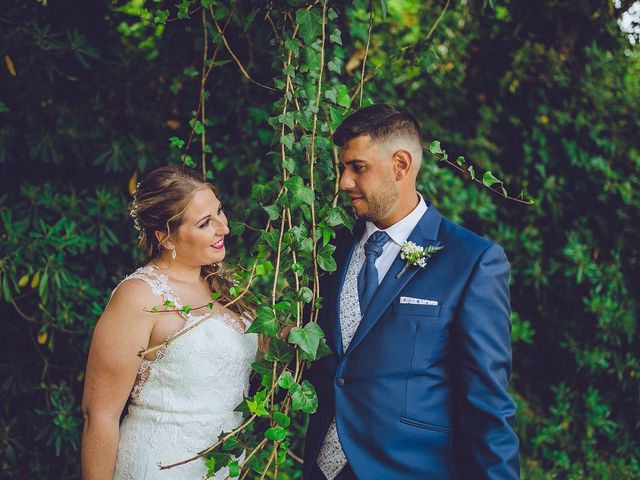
(218, 245)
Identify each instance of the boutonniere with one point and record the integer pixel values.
(416, 255)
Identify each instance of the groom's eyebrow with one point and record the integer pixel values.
(354, 160)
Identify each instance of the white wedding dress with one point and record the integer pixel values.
(184, 398)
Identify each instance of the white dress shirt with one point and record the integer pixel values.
(399, 233)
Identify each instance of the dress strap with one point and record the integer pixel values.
(159, 284)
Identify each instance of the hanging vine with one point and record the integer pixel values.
(293, 248)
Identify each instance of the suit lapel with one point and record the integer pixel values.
(424, 234)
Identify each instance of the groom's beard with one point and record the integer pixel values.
(382, 202)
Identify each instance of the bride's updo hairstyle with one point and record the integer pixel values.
(159, 204)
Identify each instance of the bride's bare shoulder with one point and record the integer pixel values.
(134, 295)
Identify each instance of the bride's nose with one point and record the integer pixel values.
(222, 227)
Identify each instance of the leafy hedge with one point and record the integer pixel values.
(543, 94)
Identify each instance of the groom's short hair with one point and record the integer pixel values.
(382, 122)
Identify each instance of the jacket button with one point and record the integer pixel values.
(340, 381)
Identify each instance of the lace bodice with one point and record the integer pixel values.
(184, 398)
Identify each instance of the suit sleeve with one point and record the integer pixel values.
(487, 445)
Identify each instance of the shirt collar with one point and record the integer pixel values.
(400, 231)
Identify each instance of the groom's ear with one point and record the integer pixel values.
(402, 161)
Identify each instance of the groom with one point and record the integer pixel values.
(416, 386)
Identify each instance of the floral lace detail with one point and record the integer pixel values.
(159, 284)
(191, 389)
(143, 373)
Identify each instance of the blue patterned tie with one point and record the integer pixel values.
(368, 276)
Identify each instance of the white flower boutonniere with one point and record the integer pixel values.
(414, 254)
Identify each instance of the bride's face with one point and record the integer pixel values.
(200, 238)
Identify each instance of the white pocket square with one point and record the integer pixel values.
(417, 301)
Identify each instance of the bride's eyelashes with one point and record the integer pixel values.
(208, 220)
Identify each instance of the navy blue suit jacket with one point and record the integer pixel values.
(421, 392)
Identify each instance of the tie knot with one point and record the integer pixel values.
(375, 243)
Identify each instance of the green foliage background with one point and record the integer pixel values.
(544, 94)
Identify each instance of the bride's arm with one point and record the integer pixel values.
(122, 330)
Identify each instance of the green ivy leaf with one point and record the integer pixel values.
(325, 258)
(335, 37)
(343, 98)
(273, 211)
(305, 294)
(281, 419)
(307, 338)
(323, 351)
(234, 469)
(293, 46)
(276, 434)
(176, 142)
(304, 397)
(262, 193)
(265, 322)
(161, 16)
(271, 239)
(435, 148)
(335, 217)
(472, 172)
(257, 404)
(198, 128)
(299, 232)
(285, 380)
(236, 227)
(300, 194)
(230, 444)
(221, 12)
(289, 164)
(488, 179)
(331, 94)
(183, 9)
(310, 24)
(279, 351)
(334, 66)
(298, 267)
(264, 268)
(265, 370)
(285, 306)
(287, 140)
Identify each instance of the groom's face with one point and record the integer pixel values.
(368, 178)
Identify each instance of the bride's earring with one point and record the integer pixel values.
(173, 254)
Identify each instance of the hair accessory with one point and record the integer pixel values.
(134, 210)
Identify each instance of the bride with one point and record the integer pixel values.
(183, 394)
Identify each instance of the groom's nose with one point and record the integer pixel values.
(346, 181)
